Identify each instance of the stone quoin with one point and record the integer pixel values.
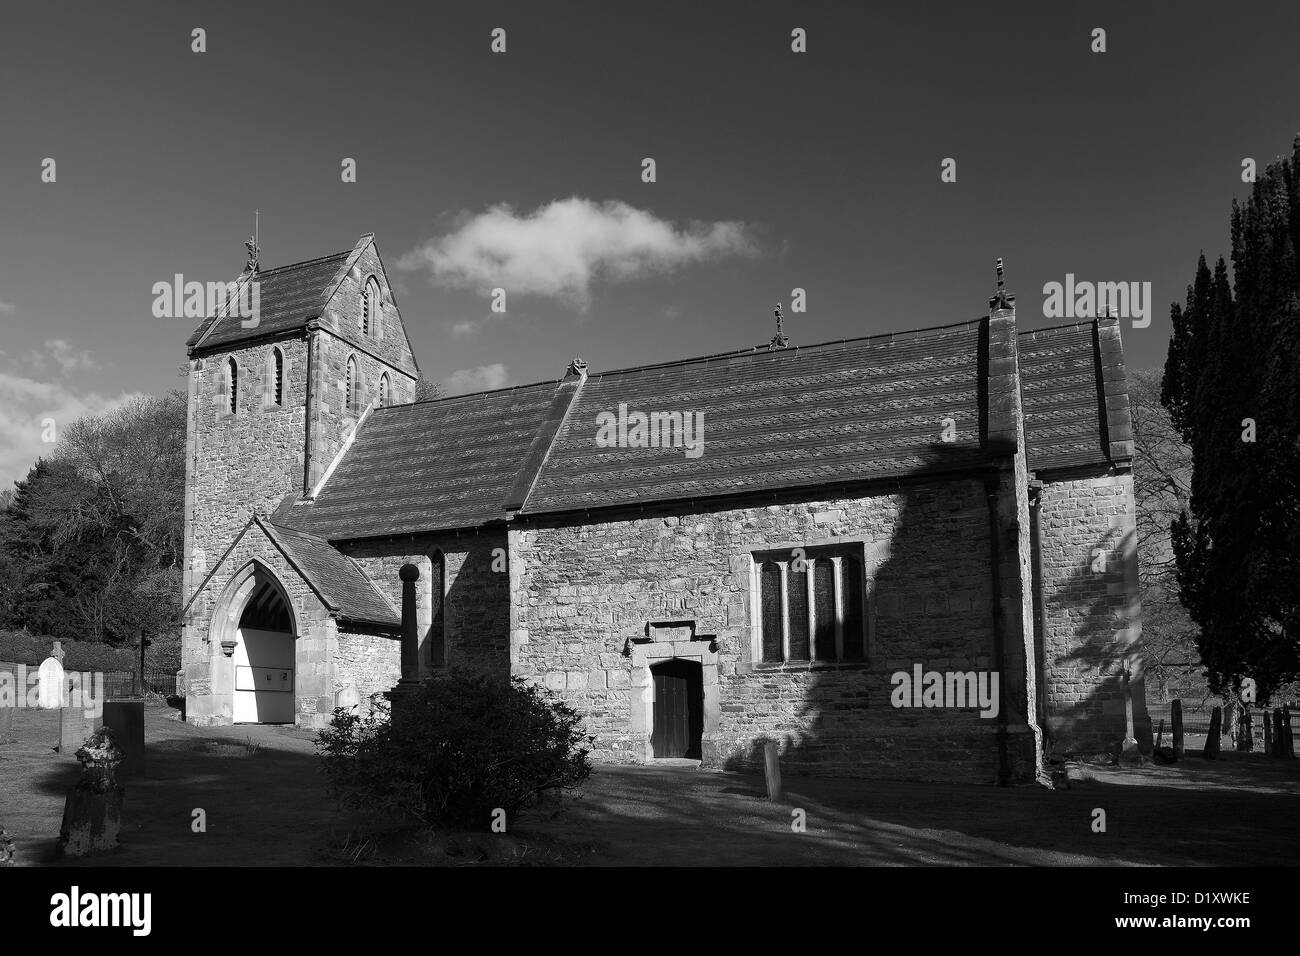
(937, 496)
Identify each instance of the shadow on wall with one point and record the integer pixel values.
(934, 606)
(1084, 721)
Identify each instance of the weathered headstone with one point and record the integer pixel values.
(75, 727)
(1284, 732)
(348, 698)
(1176, 720)
(6, 849)
(92, 815)
(1212, 739)
(772, 770)
(1129, 748)
(50, 691)
(125, 718)
(10, 696)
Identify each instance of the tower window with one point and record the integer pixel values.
(383, 390)
(370, 308)
(232, 386)
(351, 385)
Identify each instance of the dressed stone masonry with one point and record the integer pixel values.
(957, 497)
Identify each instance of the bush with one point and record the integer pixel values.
(466, 745)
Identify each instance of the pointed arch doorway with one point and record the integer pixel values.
(259, 636)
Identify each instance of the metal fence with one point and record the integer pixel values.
(127, 683)
(1196, 716)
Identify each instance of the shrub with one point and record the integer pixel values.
(464, 746)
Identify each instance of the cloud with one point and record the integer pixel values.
(68, 359)
(481, 379)
(561, 249)
(27, 408)
(6, 306)
(467, 328)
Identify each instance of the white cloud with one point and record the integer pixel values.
(68, 359)
(6, 306)
(469, 327)
(26, 407)
(561, 249)
(481, 379)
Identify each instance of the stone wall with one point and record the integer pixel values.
(476, 592)
(585, 592)
(334, 420)
(1091, 613)
(370, 660)
(245, 461)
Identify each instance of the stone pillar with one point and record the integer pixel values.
(409, 684)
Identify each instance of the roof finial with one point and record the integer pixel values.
(577, 367)
(252, 245)
(780, 340)
(1001, 298)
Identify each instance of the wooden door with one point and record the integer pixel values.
(678, 709)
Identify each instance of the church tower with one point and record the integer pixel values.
(274, 397)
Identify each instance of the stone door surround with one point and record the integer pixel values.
(664, 641)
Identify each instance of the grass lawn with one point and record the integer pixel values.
(265, 805)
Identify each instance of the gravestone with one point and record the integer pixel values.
(348, 698)
(9, 701)
(92, 815)
(1245, 732)
(125, 718)
(50, 691)
(1176, 719)
(772, 771)
(1212, 739)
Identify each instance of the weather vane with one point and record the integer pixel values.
(780, 340)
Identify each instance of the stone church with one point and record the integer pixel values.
(955, 499)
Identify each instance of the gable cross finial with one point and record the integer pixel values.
(780, 340)
(577, 366)
(1001, 298)
(252, 244)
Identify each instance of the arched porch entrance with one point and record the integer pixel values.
(257, 632)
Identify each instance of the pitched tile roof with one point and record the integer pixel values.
(338, 579)
(1062, 404)
(441, 464)
(819, 415)
(289, 297)
(824, 414)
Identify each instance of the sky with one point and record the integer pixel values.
(523, 170)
